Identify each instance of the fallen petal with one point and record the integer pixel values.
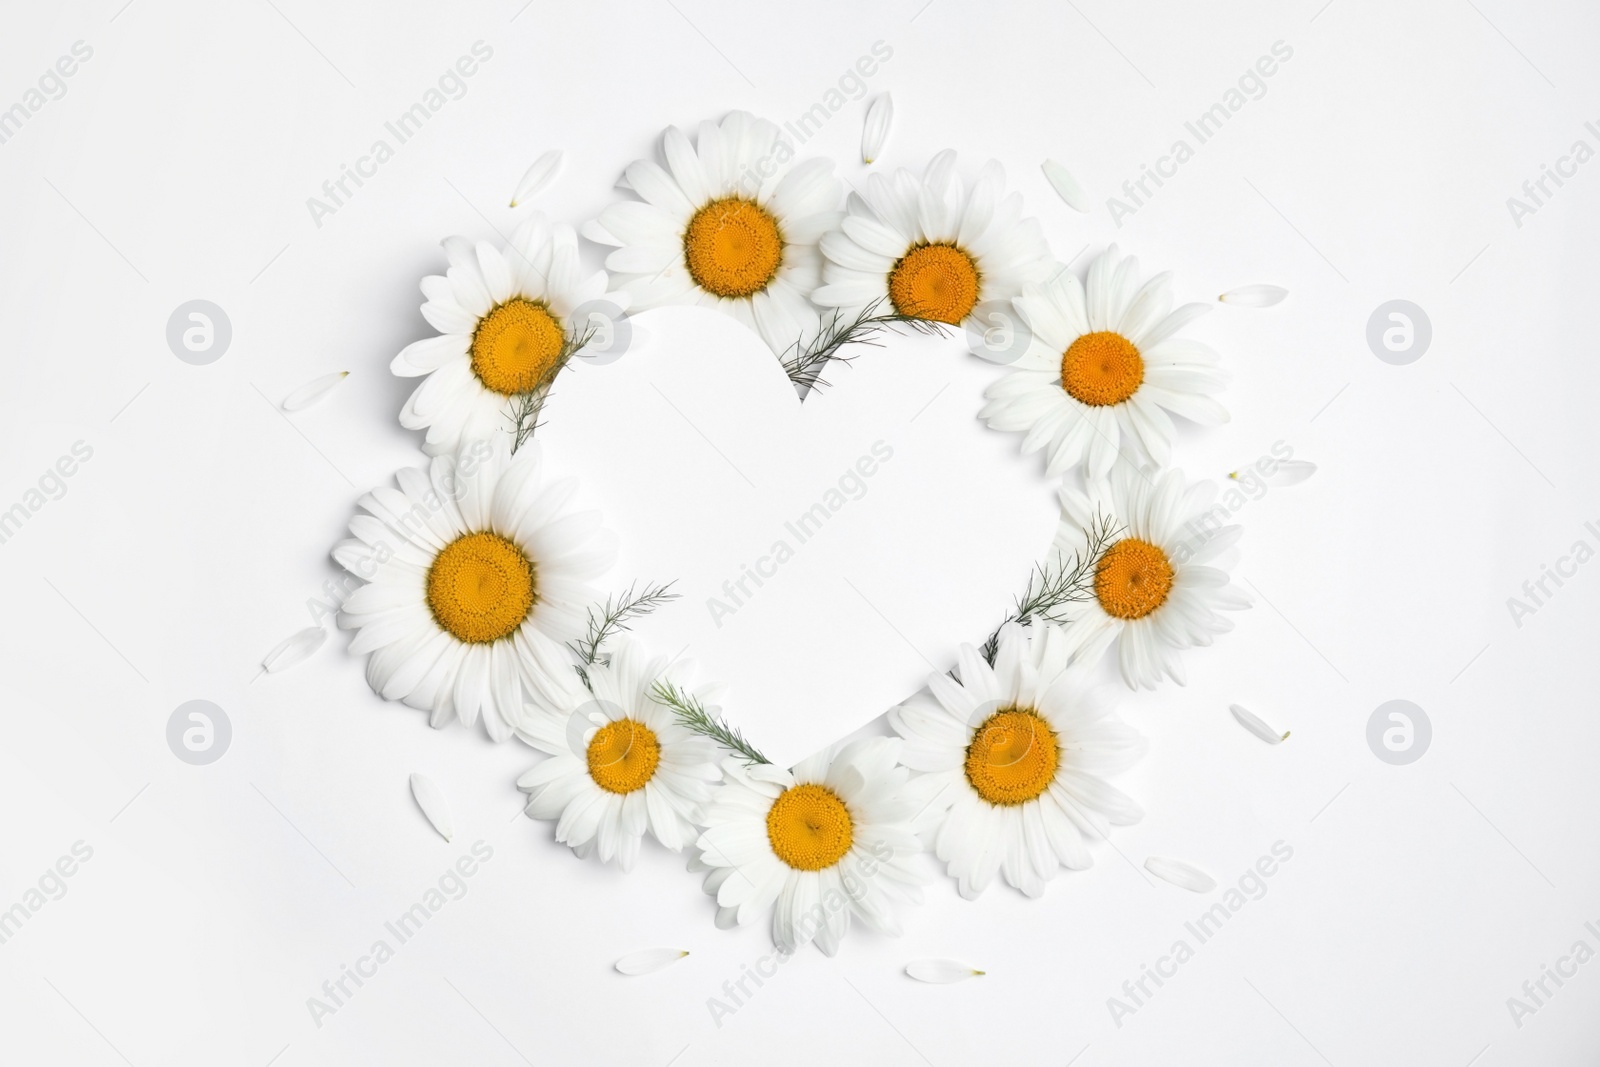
(294, 648)
(880, 116)
(940, 972)
(1251, 722)
(651, 959)
(313, 391)
(1066, 186)
(1255, 296)
(1181, 874)
(1291, 472)
(545, 170)
(1288, 472)
(432, 803)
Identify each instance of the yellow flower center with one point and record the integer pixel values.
(623, 756)
(1132, 579)
(481, 587)
(1102, 368)
(516, 346)
(809, 827)
(938, 282)
(733, 247)
(1013, 757)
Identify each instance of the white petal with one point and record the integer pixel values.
(1253, 723)
(1291, 472)
(940, 972)
(1065, 185)
(294, 649)
(651, 959)
(545, 170)
(1181, 874)
(880, 116)
(313, 391)
(432, 803)
(1254, 296)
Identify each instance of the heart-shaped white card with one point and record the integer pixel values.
(830, 555)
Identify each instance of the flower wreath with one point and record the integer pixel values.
(476, 599)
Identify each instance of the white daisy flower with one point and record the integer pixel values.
(504, 316)
(471, 568)
(1012, 757)
(830, 840)
(725, 224)
(930, 247)
(1104, 367)
(619, 762)
(1159, 586)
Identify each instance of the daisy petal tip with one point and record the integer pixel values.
(293, 649)
(545, 170)
(941, 972)
(880, 116)
(1252, 722)
(1181, 874)
(1254, 296)
(653, 959)
(313, 391)
(1066, 186)
(430, 798)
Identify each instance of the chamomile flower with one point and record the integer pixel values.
(931, 247)
(826, 842)
(1104, 368)
(1012, 758)
(505, 317)
(471, 566)
(726, 224)
(619, 763)
(1159, 586)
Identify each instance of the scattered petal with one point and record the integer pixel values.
(1255, 296)
(1251, 722)
(880, 116)
(1291, 472)
(313, 391)
(940, 972)
(651, 959)
(1181, 874)
(432, 803)
(1288, 472)
(545, 170)
(1065, 185)
(293, 649)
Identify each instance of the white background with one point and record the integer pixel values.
(218, 899)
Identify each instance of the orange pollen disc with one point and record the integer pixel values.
(516, 347)
(1012, 757)
(809, 827)
(938, 282)
(623, 756)
(481, 587)
(733, 247)
(1132, 579)
(1102, 368)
